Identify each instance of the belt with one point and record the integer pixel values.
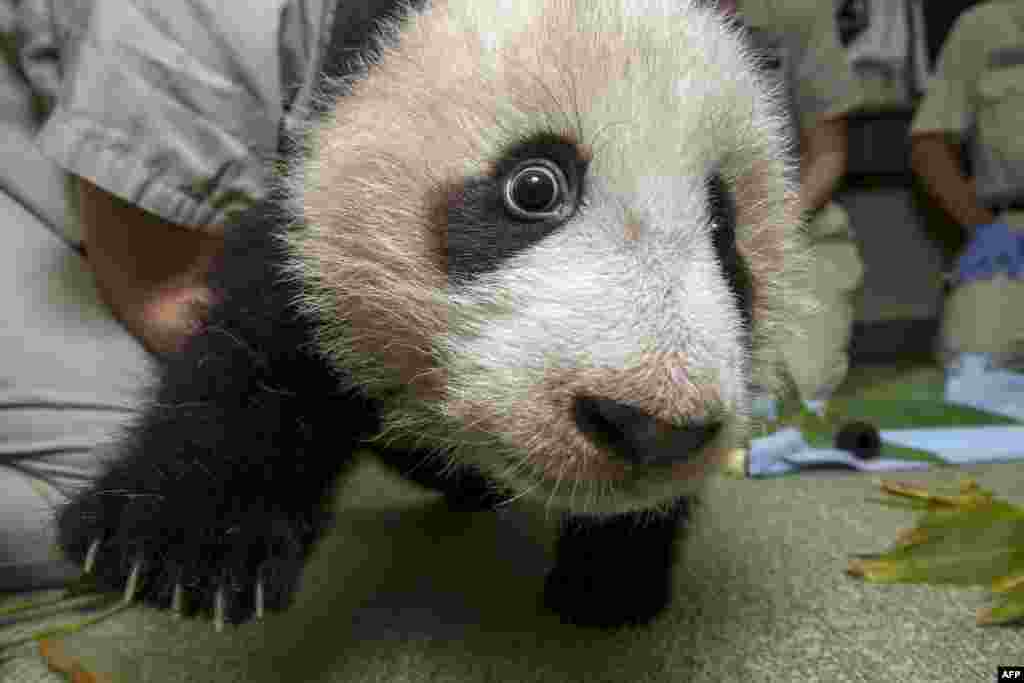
(1008, 206)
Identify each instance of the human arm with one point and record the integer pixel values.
(201, 100)
(151, 272)
(945, 116)
(823, 162)
(936, 161)
(824, 90)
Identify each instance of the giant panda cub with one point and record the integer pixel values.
(528, 251)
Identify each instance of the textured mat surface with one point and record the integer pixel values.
(421, 594)
(406, 591)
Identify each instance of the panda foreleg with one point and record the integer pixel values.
(219, 491)
(465, 488)
(613, 571)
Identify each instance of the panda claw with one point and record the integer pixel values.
(90, 556)
(133, 582)
(178, 601)
(218, 610)
(259, 599)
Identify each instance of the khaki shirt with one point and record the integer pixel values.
(977, 93)
(799, 43)
(173, 106)
(176, 107)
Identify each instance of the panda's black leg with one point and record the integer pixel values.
(220, 490)
(465, 490)
(473, 492)
(613, 571)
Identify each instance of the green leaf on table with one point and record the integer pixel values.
(964, 537)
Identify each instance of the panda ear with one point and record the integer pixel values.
(722, 207)
(722, 213)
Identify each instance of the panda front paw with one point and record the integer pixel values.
(178, 555)
(600, 600)
(614, 571)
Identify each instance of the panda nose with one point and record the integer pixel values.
(638, 436)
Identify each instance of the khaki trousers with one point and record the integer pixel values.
(987, 316)
(818, 359)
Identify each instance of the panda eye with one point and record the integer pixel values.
(535, 190)
(721, 205)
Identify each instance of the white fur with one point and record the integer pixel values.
(627, 300)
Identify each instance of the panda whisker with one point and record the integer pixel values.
(558, 482)
(525, 492)
(259, 598)
(180, 406)
(241, 343)
(126, 493)
(520, 464)
(219, 608)
(131, 587)
(178, 601)
(572, 494)
(90, 556)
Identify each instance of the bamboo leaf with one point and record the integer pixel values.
(963, 537)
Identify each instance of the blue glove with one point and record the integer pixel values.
(995, 248)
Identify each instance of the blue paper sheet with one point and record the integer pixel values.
(992, 389)
(973, 382)
(787, 451)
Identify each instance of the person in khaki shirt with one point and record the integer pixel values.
(977, 96)
(160, 116)
(797, 42)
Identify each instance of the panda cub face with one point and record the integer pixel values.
(555, 240)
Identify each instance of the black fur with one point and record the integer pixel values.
(723, 238)
(481, 233)
(615, 570)
(230, 471)
(228, 477)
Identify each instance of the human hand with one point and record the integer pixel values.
(994, 248)
(151, 272)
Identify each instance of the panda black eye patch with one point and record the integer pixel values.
(535, 189)
(722, 212)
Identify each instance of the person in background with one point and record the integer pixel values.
(797, 43)
(160, 118)
(976, 96)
